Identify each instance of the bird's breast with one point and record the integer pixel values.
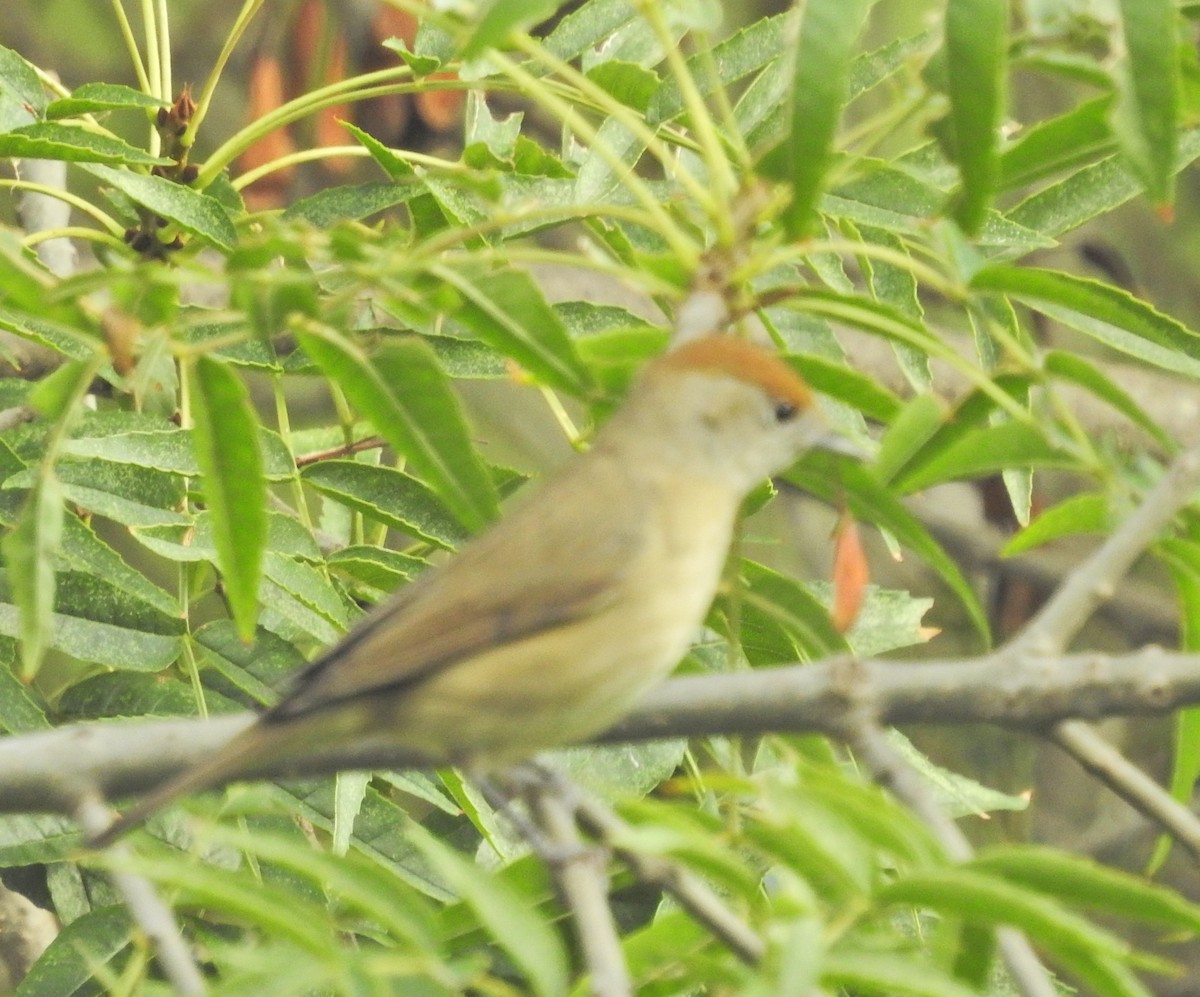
(569, 682)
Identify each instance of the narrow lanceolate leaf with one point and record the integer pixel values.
(1082, 882)
(28, 557)
(1092, 191)
(20, 89)
(408, 416)
(501, 18)
(1147, 108)
(21, 708)
(387, 496)
(980, 452)
(415, 377)
(92, 97)
(976, 43)
(72, 144)
(225, 436)
(192, 211)
(533, 947)
(1087, 513)
(824, 47)
(1106, 313)
(1077, 370)
(507, 311)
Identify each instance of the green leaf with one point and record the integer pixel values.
(862, 971)
(271, 907)
(21, 709)
(68, 341)
(1182, 559)
(847, 385)
(501, 18)
(310, 585)
(29, 552)
(976, 46)
(1083, 883)
(1074, 368)
(358, 882)
(1087, 513)
(981, 452)
(331, 205)
(102, 643)
(55, 394)
(19, 87)
(956, 795)
(225, 435)
(408, 413)
(1068, 140)
(815, 842)
(534, 948)
(824, 48)
(396, 167)
(374, 566)
(1092, 191)
(113, 695)
(911, 429)
(254, 668)
(192, 211)
(72, 144)
(774, 606)
(93, 97)
(888, 620)
(172, 451)
(631, 84)
(90, 943)
(588, 26)
(387, 496)
(83, 551)
(508, 312)
(1106, 313)
(734, 58)
(1093, 954)
(1146, 114)
(415, 377)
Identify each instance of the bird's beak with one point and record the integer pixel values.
(835, 443)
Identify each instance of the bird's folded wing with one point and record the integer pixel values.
(536, 570)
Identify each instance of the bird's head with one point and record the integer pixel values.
(724, 409)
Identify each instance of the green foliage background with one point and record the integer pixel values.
(841, 166)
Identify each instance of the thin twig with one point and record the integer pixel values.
(893, 772)
(1057, 623)
(580, 872)
(1094, 581)
(1128, 781)
(691, 893)
(152, 915)
(344, 450)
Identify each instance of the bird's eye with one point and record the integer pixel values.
(785, 411)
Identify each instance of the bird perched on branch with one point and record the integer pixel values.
(547, 628)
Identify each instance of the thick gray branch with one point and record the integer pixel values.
(49, 771)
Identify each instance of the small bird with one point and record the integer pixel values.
(547, 628)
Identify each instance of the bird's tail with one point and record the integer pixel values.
(224, 766)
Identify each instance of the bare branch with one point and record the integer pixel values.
(148, 909)
(581, 874)
(1128, 781)
(46, 771)
(1096, 578)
